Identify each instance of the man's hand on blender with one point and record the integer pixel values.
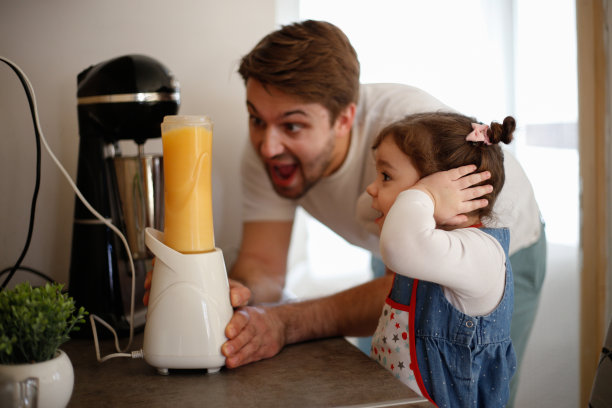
(249, 329)
(253, 333)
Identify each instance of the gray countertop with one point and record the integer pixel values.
(323, 373)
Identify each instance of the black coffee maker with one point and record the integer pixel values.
(125, 98)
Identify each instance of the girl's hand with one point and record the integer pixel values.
(453, 194)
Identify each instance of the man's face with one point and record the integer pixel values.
(294, 139)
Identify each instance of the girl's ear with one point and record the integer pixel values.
(344, 121)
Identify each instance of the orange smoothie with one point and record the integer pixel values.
(187, 150)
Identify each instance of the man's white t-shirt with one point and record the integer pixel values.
(340, 202)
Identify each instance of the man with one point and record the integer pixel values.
(311, 125)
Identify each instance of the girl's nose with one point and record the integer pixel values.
(271, 144)
(371, 189)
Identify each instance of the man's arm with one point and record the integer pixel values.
(256, 333)
(262, 261)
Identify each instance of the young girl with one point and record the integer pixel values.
(445, 327)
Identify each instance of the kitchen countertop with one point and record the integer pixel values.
(323, 373)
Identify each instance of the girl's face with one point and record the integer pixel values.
(394, 174)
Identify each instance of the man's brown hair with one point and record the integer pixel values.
(312, 60)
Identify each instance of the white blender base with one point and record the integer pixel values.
(189, 308)
(212, 364)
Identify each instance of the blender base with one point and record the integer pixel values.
(188, 311)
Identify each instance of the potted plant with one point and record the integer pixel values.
(34, 322)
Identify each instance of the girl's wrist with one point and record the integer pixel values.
(424, 189)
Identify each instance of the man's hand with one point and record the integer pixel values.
(254, 333)
(453, 194)
(147, 285)
(239, 294)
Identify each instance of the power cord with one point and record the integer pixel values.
(32, 104)
(28, 269)
(40, 137)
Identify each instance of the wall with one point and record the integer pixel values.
(591, 28)
(607, 5)
(200, 41)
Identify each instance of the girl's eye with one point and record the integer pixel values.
(385, 176)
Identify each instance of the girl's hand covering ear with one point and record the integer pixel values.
(454, 194)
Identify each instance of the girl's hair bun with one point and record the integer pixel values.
(503, 132)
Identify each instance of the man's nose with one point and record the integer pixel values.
(271, 143)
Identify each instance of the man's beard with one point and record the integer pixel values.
(307, 178)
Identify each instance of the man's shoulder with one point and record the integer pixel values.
(382, 103)
(402, 97)
(389, 88)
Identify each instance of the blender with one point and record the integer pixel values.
(189, 305)
(124, 98)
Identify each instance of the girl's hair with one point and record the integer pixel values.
(436, 141)
(312, 60)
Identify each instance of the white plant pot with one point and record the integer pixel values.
(55, 379)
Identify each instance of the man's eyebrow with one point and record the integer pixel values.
(295, 112)
(251, 106)
(285, 114)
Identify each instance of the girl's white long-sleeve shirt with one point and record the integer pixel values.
(468, 263)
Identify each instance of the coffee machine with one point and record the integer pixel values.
(124, 98)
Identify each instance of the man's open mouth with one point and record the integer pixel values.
(283, 174)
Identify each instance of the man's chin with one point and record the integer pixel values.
(289, 192)
(287, 187)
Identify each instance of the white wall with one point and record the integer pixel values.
(200, 41)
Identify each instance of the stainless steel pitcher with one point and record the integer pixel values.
(140, 181)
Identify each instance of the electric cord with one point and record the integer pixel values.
(28, 269)
(32, 104)
(29, 90)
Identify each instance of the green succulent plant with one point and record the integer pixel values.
(34, 322)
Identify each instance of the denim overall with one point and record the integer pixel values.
(462, 360)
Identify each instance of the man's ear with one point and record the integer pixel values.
(344, 121)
